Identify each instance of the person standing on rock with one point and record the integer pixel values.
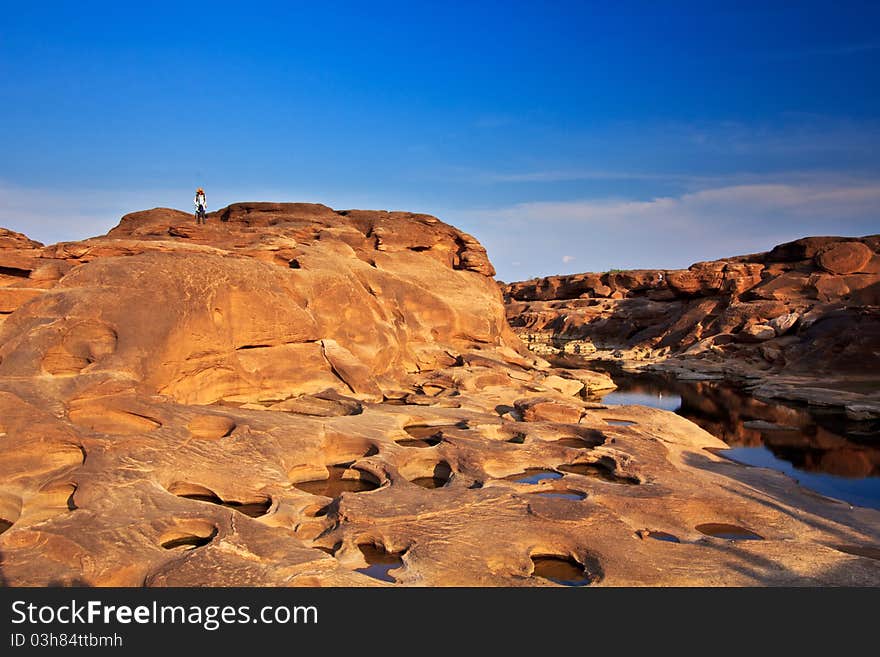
(201, 206)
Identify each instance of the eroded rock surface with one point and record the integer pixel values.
(290, 395)
(802, 321)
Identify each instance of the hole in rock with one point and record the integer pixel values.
(727, 531)
(379, 562)
(560, 570)
(419, 249)
(533, 476)
(345, 450)
(323, 404)
(605, 469)
(317, 510)
(431, 441)
(15, 272)
(620, 423)
(329, 550)
(501, 409)
(438, 478)
(518, 439)
(424, 431)
(187, 540)
(294, 264)
(211, 427)
(564, 494)
(253, 508)
(657, 536)
(868, 551)
(583, 440)
(82, 345)
(4, 525)
(341, 479)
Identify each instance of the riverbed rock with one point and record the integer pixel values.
(258, 400)
(757, 333)
(844, 257)
(810, 307)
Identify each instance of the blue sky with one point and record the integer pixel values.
(566, 136)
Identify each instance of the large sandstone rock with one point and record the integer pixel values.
(273, 397)
(844, 257)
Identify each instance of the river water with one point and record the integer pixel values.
(822, 450)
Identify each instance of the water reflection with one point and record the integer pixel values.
(655, 398)
(824, 451)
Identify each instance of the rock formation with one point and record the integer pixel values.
(801, 321)
(289, 395)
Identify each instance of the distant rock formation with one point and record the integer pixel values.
(806, 311)
(288, 394)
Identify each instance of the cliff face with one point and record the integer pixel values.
(275, 396)
(809, 307)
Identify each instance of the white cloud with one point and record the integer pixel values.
(710, 205)
(669, 231)
(567, 258)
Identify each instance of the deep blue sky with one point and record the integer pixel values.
(567, 136)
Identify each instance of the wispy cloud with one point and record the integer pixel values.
(710, 205)
(669, 231)
(567, 259)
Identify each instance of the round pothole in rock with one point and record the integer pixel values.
(329, 550)
(211, 427)
(560, 570)
(190, 541)
(317, 510)
(433, 431)
(379, 562)
(438, 478)
(341, 479)
(603, 469)
(564, 494)
(431, 441)
(252, 508)
(534, 476)
(587, 439)
(657, 535)
(620, 423)
(727, 531)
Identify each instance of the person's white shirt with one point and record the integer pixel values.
(201, 202)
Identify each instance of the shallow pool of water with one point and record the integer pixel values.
(533, 476)
(561, 495)
(379, 562)
(656, 399)
(824, 451)
(560, 570)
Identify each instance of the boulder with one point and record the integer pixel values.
(784, 323)
(844, 257)
(756, 333)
